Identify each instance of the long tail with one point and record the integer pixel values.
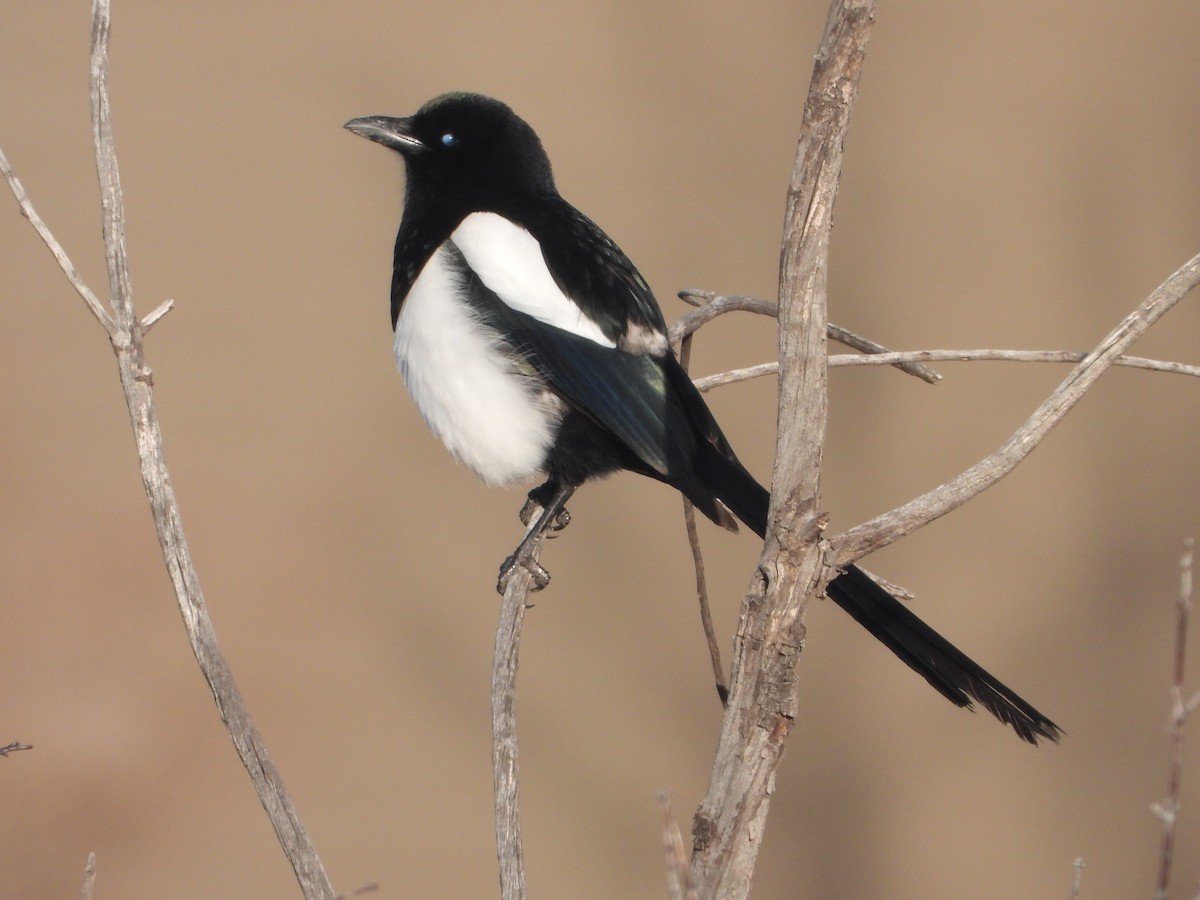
(955, 675)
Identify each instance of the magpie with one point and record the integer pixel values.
(531, 345)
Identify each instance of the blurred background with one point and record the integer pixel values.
(1017, 175)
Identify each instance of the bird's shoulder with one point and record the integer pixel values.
(590, 270)
(595, 273)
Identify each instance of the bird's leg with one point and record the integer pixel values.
(551, 498)
(540, 498)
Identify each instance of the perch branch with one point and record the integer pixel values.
(884, 529)
(505, 772)
(1168, 810)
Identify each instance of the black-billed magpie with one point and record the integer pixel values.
(532, 345)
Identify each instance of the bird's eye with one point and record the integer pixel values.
(449, 139)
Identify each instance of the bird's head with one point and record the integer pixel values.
(463, 144)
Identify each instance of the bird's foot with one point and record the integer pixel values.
(508, 568)
(548, 504)
(558, 523)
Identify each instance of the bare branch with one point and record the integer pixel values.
(1077, 879)
(125, 333)
(89, 878)
(728, 827)
(155, 314)
(679, 879)
(857, 342)
(1168, 810)
(689, 521)
(112, 206)
(505, 781)
(884, 529)
(733, 376)
(711, 304)
(60, 255)
(14, 747)
(887, 358)
(371, 888)
(895, 358)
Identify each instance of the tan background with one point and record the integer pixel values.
(1018, 175)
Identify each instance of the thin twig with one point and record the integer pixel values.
(1034, 356)
(60, 255)
(733, 376)
(1077, 879)
(89, 878)
(679, 879)
(1168, 810)
(13, 747)
(125, 333)
(136, 381)
(155, 314)
(505, 772)
(895, 358)
(848, 338)
(371, 888)
(889, 527)
(689, 521)
(710, 304)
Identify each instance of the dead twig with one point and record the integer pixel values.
(896, 357)
(125, 333)
(888, 358)
(1077, 879)
(89, 878)
(689, 522)
(679, 879)
(1168, 809)
(505, 772)
(728, 827)
(711, 304)
(889, 527)
(60, 255)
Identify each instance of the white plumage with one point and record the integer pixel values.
(492, 417)
(508, 259)
(495, 420)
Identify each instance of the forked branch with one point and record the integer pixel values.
(125, 333)
(884, 529)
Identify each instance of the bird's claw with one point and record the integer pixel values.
(561, 521)
(526, 514)
(536, 571)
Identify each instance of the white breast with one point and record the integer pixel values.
(490, 417)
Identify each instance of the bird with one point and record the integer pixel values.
(532, 347)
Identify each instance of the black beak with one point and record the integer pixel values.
(386, 130)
